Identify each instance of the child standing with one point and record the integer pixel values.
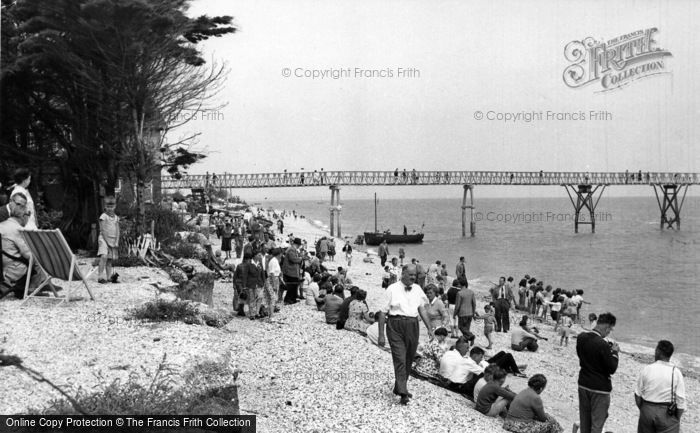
(489, 323)
(565, 330)
(226, 235)
(108, 241)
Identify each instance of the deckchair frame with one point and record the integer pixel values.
(63, 248)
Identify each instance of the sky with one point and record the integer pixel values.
(412, 76)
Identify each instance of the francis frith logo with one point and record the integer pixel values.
(616, 62)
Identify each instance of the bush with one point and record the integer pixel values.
(166, 222)
(181, 311)
(128, 261)
(47, 219)
(185, 250)
(162, 396)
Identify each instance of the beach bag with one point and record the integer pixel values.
(672, 409)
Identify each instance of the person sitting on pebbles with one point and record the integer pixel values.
(428, 363)
(494, 398)
(526, 412)
(524, 337)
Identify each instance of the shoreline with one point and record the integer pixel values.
(295, 370)
(559, 364)
(688, 362)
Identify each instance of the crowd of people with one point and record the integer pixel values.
(279, 269)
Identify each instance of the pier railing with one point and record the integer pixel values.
(387, 178)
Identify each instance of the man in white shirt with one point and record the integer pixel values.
(405, 301)
(461, 370)
(658, 385)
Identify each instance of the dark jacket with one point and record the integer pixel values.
(598, 362)
(4, 213)
(465, 304)
(292, 260)
(344, 312)
(248, 276)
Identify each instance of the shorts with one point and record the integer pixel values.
(488, 329)
(564, 331)
(103, 249)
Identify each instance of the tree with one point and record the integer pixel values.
(107, 80)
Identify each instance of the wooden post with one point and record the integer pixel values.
(337, 211)
(472, 224)
(584, 199)
(332, 210)
(670, 209)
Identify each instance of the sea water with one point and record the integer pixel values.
(645, 276)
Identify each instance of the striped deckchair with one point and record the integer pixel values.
(50, 251)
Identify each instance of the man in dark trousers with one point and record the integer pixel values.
(291, 272)
(658, 385)
(383, 252)
(502, 296)
(465, 307)
(598, 359)
(405, 301)
(461, 269)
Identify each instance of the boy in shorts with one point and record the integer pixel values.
(108, 241)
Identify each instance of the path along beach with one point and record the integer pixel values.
(298, 373)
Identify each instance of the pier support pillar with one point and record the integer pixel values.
(468, 189)
(335, 210)
(584, 199)
(670, 208)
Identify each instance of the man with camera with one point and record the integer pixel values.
(660, 393)
(598, 359)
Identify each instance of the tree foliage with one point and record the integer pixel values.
(96, 85)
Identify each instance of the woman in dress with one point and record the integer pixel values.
(435, 308)
(526, 412)
(428, 364)
(22, 179)
(358, 314)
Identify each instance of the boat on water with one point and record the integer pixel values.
(377, 237)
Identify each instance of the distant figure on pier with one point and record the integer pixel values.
(541, 174)
(396, 175)
(639, 176)
(511, 178)
(414, 176)
(405, 230)
(301, 182)
(322, 176)
(627, 175)
(404, 175)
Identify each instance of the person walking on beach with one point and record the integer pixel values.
(659, 386)
(291, 272)
(405, 301)
(461, 269)
(347, 249)
(501, 295)
(383, 252)
(465, 307)
(599, 360)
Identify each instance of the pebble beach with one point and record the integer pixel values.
(297, 373)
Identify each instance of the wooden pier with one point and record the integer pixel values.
(583, 185)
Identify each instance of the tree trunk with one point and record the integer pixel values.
(80, 209)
